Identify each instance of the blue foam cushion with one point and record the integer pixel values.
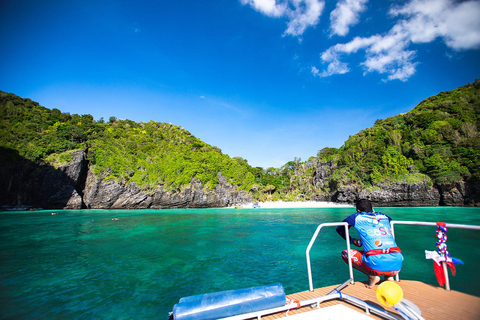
(223, 304)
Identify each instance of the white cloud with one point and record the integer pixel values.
(300, 13)
(332, 56)
(307, 13)
(458, 24)
(345, 15)
(268, 7)
(384, 54)
(334, 67)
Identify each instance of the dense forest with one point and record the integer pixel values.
(437, 141)
(148, 154)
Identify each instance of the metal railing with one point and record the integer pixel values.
(433, 224)
(347, 240)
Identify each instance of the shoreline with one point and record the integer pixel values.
(250, 205)
(295, 204)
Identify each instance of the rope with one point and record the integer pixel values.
(442, 239)
(289, 300)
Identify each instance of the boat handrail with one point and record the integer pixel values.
(433, 224)
(347, 237)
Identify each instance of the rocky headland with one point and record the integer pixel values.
(25, 185)
(398, 194)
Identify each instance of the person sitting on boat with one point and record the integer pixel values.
(381, 255)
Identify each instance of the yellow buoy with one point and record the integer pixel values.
(389, 293)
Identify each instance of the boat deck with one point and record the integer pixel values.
(434, 302)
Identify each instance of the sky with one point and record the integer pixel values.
(265, 80)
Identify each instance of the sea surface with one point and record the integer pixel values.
(83, 264)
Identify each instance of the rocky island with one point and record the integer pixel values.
(429, 156)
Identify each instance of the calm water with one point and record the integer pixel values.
(82, 264)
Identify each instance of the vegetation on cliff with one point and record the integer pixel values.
(149, 154)
(437, 141)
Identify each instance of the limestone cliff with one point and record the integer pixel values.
(416, 194)
(74, 186)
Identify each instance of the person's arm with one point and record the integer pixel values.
(341, 230)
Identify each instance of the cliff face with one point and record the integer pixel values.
(400, 194)
(74, 186)
(109, 194)
(24, 185)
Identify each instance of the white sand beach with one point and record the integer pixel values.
(296, 204)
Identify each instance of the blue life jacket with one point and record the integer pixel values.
(376, 233)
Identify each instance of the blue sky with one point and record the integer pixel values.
(264, 80)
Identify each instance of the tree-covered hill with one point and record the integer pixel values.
(150, 154)
(438, 140)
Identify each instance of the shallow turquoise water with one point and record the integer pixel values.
(82, 264)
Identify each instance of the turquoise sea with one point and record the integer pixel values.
(81, 264)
